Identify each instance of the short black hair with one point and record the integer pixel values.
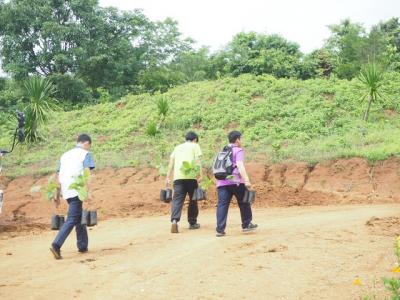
(83, 138)
(233, 136)
(191, 136)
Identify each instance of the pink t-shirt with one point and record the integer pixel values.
(238, 155)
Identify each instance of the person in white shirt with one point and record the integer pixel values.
(72, 164)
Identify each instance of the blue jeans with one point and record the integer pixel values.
(225, 194)
(73, 220)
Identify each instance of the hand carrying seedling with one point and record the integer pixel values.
(190, 169)
(206, 183)
(51, 192)
(81, 185)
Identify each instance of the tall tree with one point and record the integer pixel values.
(103, 46)
(346, 44)
(163, 42)
(112, 54)
(261, 54)
(389, 31)
(42, 36)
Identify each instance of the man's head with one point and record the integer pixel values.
(84, 141)
(192, 137)
(234, 137)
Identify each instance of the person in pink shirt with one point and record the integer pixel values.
(235, 186)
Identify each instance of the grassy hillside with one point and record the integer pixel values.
(282, 119)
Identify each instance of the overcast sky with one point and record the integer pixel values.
(214, 22)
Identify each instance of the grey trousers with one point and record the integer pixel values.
(182, 187)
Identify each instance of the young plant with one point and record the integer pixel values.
(393, 284)
(163, 108)
(51, 190)
(372, 77)
(206, 183)
(397, 250)
(276, 146)
(80, 185)
(152, 129)
(190, 169)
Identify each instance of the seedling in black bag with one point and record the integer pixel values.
(85, 217)
(57, 222)
(166, 195)
(89, 218)
(201, 192)
(51, 192)
(249, 196)
(62, 221)
(92, 218)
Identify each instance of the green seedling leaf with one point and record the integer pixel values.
(50, 190)
(206, 183)
(190, 169)
(186, 166)
(80, 185)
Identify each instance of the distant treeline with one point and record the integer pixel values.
(94, 54)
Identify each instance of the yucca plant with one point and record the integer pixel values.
(152, 129)
(163, 108)
(372, 77)
(39, 91)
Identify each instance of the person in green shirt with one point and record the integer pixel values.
(184, 184)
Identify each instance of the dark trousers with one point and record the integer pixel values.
(182, 187)
(73, 220)
(225, 194)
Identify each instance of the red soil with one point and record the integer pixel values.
(135, 192)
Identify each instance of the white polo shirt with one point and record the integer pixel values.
(71, 166)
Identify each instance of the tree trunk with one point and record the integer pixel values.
(368, 108)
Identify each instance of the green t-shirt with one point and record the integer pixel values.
(184, 152)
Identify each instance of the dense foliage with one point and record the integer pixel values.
(94, 54)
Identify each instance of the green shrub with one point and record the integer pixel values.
(152, 129)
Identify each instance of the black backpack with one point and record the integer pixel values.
(223, 163)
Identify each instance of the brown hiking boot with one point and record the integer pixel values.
(174, 227)
(56, 252)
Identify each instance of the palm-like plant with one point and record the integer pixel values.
(372, 77)
(163, 108)
(39, 91)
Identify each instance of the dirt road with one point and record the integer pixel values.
(297, 253)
